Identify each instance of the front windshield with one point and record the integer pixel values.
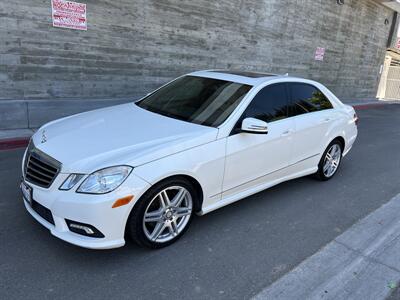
(200, 100)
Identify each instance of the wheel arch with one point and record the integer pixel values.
(341, 141)
(193, 181)
(339, 138)
(197, 186)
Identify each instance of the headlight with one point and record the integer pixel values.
(70, 182)
(105, 180)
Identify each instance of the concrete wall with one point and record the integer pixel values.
(132, 46)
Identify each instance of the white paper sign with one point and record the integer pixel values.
(68, 14)
(320, 53)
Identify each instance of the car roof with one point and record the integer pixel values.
(244, 77)
(255, 78)
(244, 73)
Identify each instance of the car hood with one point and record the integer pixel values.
(118, 135)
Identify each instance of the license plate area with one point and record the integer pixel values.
(26, 192)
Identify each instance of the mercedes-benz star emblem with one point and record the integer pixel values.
(44, 138)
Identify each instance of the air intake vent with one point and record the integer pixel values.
(42, 211)
(40, 169)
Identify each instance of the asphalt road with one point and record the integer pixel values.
(232, 253)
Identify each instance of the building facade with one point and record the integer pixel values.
(131, 47)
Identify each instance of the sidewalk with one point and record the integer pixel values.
(362, 263)
(18, 138)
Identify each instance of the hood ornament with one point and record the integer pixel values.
(44, 137)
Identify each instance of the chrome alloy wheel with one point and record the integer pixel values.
(167, 214)
(332, 160)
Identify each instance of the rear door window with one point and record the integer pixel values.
(306, 98)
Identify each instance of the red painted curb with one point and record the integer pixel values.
(368, 106)
(8, 144)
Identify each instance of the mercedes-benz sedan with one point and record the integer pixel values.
(196, 144)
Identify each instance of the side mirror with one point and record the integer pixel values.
(252, 125)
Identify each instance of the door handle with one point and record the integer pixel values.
(326, 120)
(287, 132)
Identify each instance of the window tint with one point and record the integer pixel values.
(270, 104)
(199, 100)
(307, 98)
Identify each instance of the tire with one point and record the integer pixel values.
(330, 161)
(163, 214)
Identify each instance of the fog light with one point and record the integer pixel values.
(81, 227)
(84, 229)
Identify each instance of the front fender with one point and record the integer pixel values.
(204, 163)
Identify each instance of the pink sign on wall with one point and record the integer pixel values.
(398, 43)
(68, 14)
(320, 53)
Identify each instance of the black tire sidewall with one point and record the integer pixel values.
(135, 220)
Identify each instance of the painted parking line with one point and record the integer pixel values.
(361, 263)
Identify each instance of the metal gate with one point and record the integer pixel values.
(389, 85)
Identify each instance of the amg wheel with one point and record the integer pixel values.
(330, 161)
(163, 214)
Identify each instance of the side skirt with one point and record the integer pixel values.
(261, 184)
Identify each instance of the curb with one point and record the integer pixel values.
(8, 144)
(15, 143)
(368, 106)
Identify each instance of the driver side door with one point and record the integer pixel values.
(250, 157)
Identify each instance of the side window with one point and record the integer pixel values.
(270, 104)
(307, 98)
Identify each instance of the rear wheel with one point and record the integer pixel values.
(163, 214)
(330, 161)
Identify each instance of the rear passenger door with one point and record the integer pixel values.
(313, 115)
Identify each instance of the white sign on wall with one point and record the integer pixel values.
(68, 14)
(320, 53)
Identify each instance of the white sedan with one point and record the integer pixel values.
(196, 144)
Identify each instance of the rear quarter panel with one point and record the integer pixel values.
(342, 126)
(350, 130)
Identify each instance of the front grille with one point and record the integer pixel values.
(39, 168)
(42, 211)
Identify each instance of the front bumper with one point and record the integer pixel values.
(95, 210)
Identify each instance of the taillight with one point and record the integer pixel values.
(356, 119)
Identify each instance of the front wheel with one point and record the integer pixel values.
(163, 214)
(330, 161)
